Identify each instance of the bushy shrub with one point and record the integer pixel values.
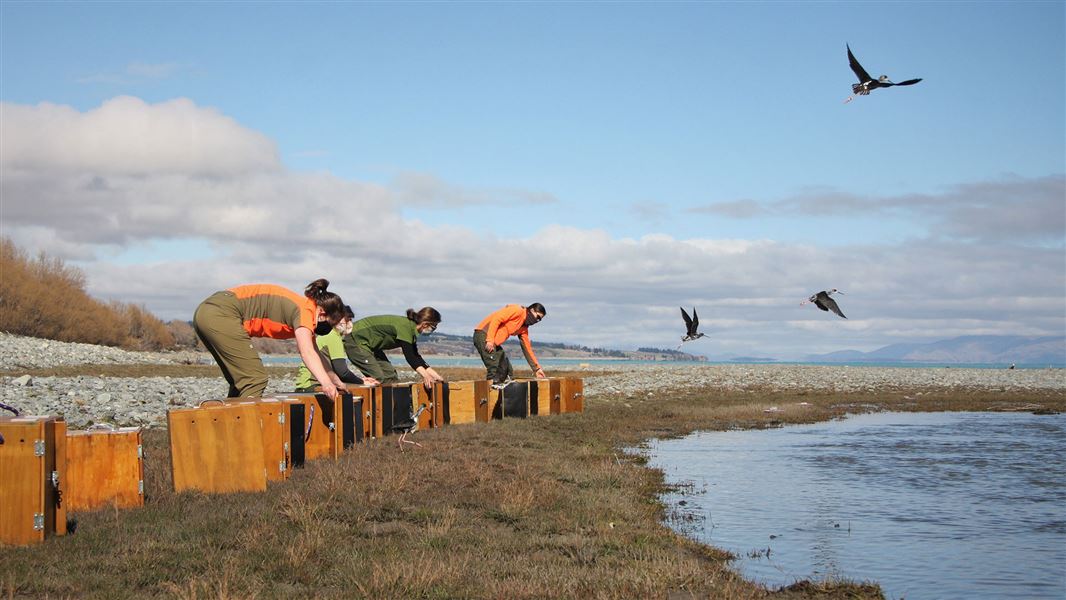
(43, 297)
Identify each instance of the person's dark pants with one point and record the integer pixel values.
(496, 362)
(219, 326)
(372, 363)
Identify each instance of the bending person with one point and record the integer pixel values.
(492, 332)
(227, 321)
(372, 336)
(331, 347)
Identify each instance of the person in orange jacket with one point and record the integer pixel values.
(494, 330)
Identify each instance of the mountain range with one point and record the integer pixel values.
(973, 349)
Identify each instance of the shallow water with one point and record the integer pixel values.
(929, 505)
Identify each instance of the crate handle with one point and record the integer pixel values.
(9, 408)
(220, 403)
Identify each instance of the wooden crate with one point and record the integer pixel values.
(105, 468)
(319, 427)
(547, 397)
(463, 401)
(397, 404)
(217, 449)
(282, 423)
(513, 400)
(367, 413)
(573, 395)
(433, 416)
(32, 479)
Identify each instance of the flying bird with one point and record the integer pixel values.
(866, 83)
(824, 302)
(408, 426)
(691, 323)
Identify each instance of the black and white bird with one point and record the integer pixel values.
(866, 83)
(691, 323)
(408, 426)
(824, 302)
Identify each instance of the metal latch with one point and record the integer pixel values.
(140, 451)
(38, 447)
(38, 521)
(281, 466)
(281, 417)
(332, 426)
(140, 486)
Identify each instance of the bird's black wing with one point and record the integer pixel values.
(832, 304)
(909, 81)
(688, 319)
(857, 68)
(695, 322)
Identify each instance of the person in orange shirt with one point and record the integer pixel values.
(227, 321)
(494, 330)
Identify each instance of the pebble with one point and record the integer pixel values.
(144, 401)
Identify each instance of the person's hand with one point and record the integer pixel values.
(490, 346)
(370, 381)
(539, 373)
(330, 390)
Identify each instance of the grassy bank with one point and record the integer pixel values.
(539, 508)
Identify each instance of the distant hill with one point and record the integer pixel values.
(443, 344)
(996, 349)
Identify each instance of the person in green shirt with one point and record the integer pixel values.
(331, 347)
(372, 336)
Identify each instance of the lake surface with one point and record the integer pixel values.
(929, 505)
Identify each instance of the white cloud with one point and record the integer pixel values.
(425, 190)
(86, 185)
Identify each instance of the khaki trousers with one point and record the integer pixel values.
(219, 326)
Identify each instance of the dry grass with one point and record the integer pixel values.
(544, 507)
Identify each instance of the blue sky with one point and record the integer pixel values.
(612, 160)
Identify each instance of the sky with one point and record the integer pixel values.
(613, 161)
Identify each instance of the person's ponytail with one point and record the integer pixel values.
(329, 302)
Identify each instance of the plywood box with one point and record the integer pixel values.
(367, 413)
(397, 404)
(547, 398)
(513, 400)
(318, 424)
(463, 401)
(573, 395)
(282, 423)
(105, 468)
(32, 478)
(433, 416)
(217, 449)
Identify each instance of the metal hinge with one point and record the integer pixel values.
(38, 447)
(281, 418)
(285, 447)
(140, 486)
(38, 521)
(282, 466)
(140, 451)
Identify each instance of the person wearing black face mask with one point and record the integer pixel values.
(227, 320)
(372, 336)
(494, 330)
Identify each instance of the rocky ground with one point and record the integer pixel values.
(85, 400)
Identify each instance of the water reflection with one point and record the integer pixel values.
(930, 505)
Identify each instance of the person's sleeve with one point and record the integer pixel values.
(410, 353)
(527, 350)
(340, 367)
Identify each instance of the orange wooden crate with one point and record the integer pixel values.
(463, 401)
(279, 445)
(32, 477)
(546, 400)
(513, 400)
(433, 416)
(217, 448)
(105, 467)
(573, 395)
(371, 397)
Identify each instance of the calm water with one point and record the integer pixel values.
(929, 505)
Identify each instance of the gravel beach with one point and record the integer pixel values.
(124, 401)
